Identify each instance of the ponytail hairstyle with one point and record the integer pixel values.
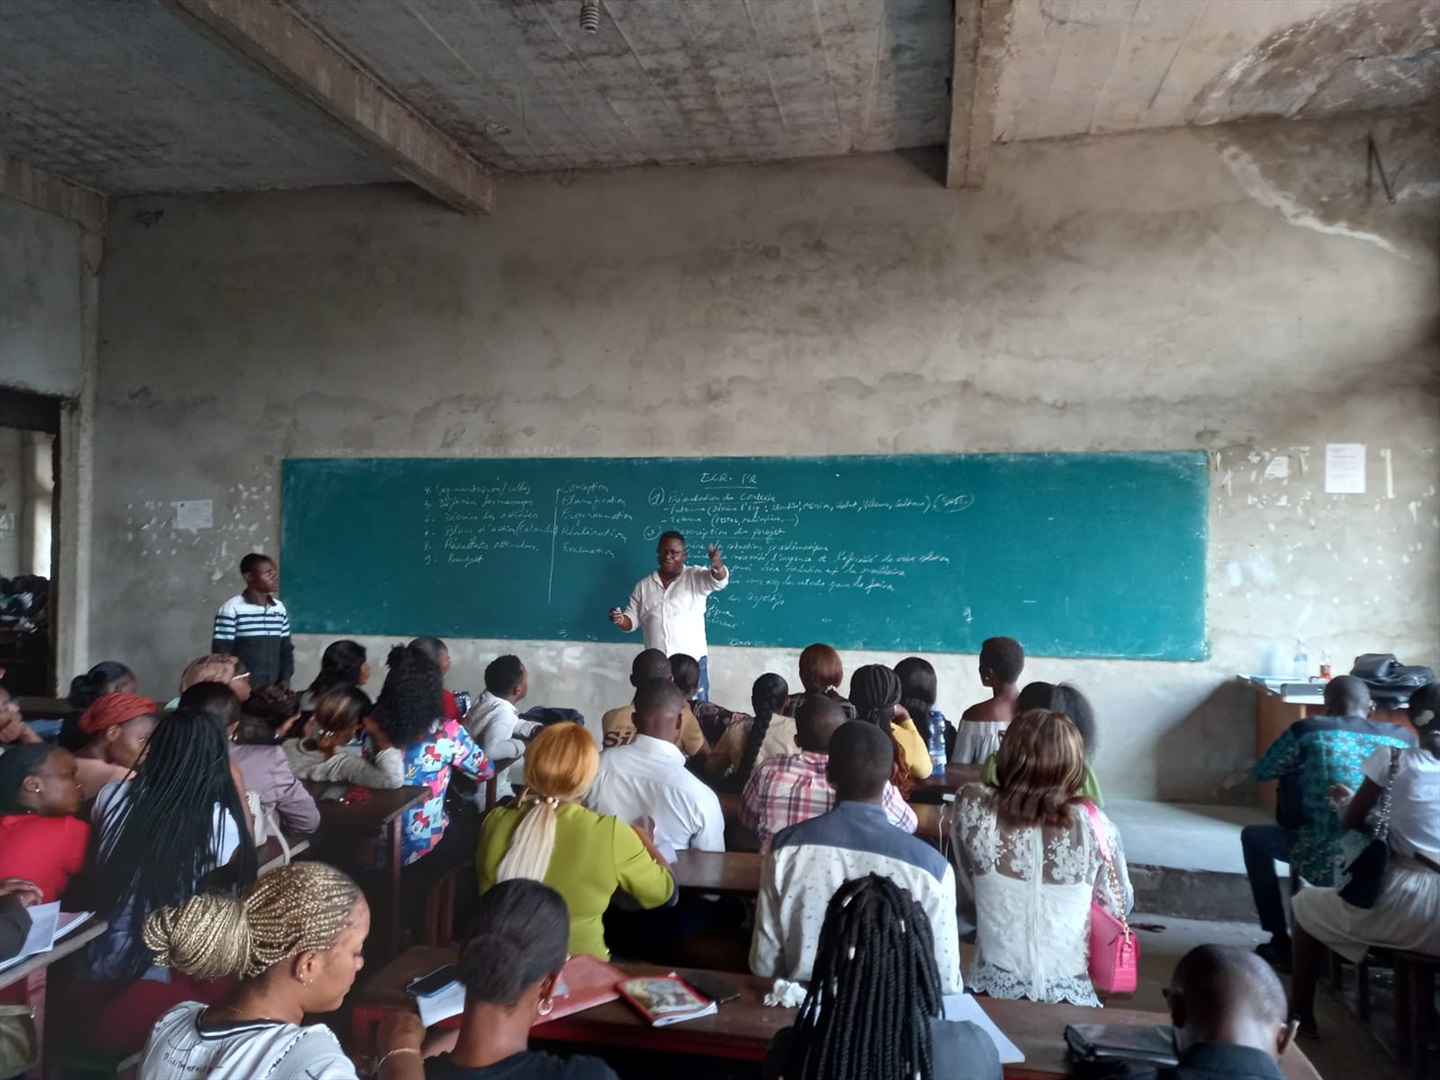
(560, 765)
(521, 934)
(342, 710)
(341, 664)
(1061, 698)
(1039, 770)
(157, 843)
(874, 992)
(411, 699)
(100, 680)
(18, 764)
(875, 691)
(767, 697)
(917, 691)
(303, 907)
(821, 670)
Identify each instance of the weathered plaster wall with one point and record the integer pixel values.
(41, 326)
(1166, 290)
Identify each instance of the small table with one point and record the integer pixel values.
(33, 972)
(383, 811)
(933, 789)
(728, 873)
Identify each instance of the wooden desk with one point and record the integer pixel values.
(30, 976)
(729, 873)
(382, 811)
(933, 817)
(933, 789)
(743, 1028)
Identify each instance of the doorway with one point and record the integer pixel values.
(29, 535)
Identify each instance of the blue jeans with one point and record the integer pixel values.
(703, 692)
(1263, 846)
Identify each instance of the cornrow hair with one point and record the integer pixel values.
(874, 990)
(875, 691)
(157, 847)
(767, 696)
(299, 908)
(410, 701)
(18, 764)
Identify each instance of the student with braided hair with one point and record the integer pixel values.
(750, 742)
(874, 1010)
(875, 692)
(294, 940)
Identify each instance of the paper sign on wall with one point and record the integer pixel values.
(194, 514)
(1345, 468)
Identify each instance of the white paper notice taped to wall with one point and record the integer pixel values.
(1345, 468)
(194, 514)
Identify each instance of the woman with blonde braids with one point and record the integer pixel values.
(550, 837)
(294, 941)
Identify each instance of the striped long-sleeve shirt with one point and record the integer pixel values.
(259, 634)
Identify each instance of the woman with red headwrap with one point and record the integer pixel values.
(118, 726)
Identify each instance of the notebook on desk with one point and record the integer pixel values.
(48, 926)
(585, 981)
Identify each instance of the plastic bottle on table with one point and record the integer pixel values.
(1302, 661)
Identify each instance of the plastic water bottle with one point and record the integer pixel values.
(937, 740)
(1302, 661)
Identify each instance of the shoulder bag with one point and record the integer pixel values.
(1362, 879)
(1114, 950)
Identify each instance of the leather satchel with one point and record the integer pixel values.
(1114, 950)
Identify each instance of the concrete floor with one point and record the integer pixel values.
(1344, 1051)
(1183, 836)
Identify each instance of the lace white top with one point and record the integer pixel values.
(976, 740)
(1032, 889)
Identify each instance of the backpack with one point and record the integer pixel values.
(1389, 680)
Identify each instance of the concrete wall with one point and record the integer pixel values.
(41, 300)
(1238, 291)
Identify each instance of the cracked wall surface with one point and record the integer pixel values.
(1125, 293)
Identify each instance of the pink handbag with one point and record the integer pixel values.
(1114, 951)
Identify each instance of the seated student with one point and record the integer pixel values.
(41, 839)
(750, 741)
(918, 690)
(549, 836)
(1002, 659)
(16, 896)
(793, 788)
(1406, 916)
(875, 693)
(618, 725)
(821, 672)
(647, 778)
(1309, 758)
(106, 677)
(1062, 698)
(284, 802)
(874, 1010)
(216, 704)
(1030, 861)
(410, 712)
(156, 840)
(118, 726)
(1228, 1009)
(438, 654)
(712, 719)
(320, 753)
(495, 722)
(228, 671)
(809, 861)
(344, 663)
(510, 965)
(255, 626)
(293, 942)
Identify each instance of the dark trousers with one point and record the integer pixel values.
(1263, 846)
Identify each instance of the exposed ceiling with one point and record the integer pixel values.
(126, 96)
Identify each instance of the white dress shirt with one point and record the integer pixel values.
(673, 618)
(648, 778)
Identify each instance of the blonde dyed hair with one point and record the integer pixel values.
(213, 667)
(299, 908)
(560, 765)
(1039, 769)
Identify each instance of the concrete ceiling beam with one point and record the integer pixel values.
(272, 36)
(982, 28)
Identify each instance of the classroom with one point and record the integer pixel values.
(1146, 288)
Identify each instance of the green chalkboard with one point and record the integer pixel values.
(1075, 554)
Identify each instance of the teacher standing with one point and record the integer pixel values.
(670, 604)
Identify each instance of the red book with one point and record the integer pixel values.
(585, 981)
(665, 999)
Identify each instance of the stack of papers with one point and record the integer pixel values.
(48, 925)
(965, 1007)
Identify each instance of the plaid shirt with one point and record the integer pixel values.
(784, 791)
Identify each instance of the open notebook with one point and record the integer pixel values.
(48, 926)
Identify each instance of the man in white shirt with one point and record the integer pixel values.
(647, 778)
(670, 604)
(809, 861)
(495, 723)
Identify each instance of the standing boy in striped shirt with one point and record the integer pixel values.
(255, 626)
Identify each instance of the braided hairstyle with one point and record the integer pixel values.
(411, 699)
(157, 842)
(917, 691)
(874, 990)
(767, 697)
(875, 691)
(341, 664)
(299, 908)
(18, 764)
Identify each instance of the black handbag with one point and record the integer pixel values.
(1390, 681)
(1365, 875)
